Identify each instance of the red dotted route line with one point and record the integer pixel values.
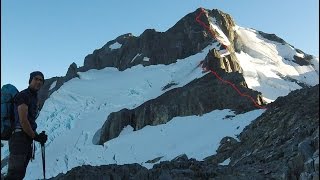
(215, 73)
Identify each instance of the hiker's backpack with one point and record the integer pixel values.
(8, 92)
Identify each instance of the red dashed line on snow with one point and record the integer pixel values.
(214, 73)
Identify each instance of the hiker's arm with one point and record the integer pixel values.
(23, 117)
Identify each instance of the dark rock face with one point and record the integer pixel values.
(107, 57)
(272, 37)
(283, 143)
(184, 39)
(118, 120)
(228, 64)
(227, 146)
(154, 160)
(284, 138)
(305, 61)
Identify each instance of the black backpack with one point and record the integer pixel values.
(8, 93)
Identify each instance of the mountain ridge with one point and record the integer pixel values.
(139, 47)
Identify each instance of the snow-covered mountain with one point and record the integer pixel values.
(161, 95)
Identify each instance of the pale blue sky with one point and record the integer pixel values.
(49, 35)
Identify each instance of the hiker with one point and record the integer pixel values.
(21, 146)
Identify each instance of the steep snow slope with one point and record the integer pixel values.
(268, 65)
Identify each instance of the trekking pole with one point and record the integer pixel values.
(43, 161)
(43, 158)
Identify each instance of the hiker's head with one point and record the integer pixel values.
(36, 80)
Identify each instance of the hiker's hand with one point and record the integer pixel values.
(41, 138)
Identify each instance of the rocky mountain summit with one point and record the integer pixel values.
(283, 143)
(187, 37)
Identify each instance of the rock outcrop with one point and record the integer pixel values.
(283, 143)
(187, 37)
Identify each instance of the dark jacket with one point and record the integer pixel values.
(30, 98)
